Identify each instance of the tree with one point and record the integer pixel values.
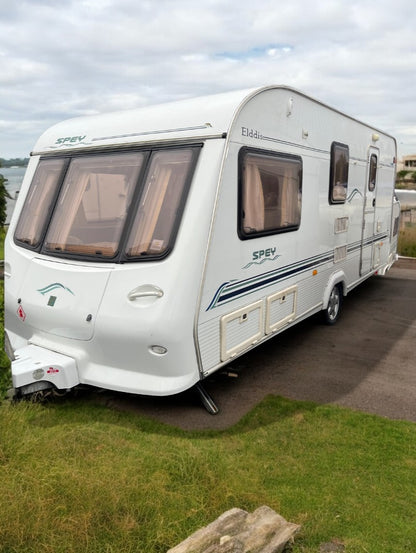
(3, 201)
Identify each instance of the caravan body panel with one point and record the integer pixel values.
(294, 270)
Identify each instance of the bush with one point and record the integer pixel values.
(5, 377)
(407, 242)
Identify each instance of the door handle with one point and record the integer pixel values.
(374, 202)
(145, 291)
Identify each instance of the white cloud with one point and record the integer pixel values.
(90, 56)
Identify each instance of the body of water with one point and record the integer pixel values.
(14, 176)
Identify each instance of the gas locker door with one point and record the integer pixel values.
(369, 210)
(61, 298)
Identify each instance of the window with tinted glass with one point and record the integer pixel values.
(116, 205)
(372, 174)
(93, 203)
(39, 201)
(338, 183)
(157, 214)
(270, 192)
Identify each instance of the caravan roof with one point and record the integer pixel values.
(195, 117)
(192, 118)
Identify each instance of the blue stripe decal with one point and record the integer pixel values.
(232, 289)
(353, 193)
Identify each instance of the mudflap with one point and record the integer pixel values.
(36, 368)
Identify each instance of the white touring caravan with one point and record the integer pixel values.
(151, 247)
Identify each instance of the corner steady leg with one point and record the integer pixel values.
(206, 399)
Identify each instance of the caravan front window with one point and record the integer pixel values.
(93, 204)
(270, 193)
(160, 200)
(39, 201)
(117, 206)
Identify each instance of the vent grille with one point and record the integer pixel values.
(341, 224)
(340, 253)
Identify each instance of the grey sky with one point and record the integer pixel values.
(64, 59)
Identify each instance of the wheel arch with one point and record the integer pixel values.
(337, 278)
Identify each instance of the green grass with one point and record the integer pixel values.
(5, 377)
(407, 242)
(77, 477)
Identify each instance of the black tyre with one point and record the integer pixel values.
(333, 309)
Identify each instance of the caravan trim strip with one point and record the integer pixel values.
(233, 289)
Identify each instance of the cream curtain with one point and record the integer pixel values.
(253, 200)
(289, 198)
(71, 199)
(150, 209)
(152, 228)
(38, 202)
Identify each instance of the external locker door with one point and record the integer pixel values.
(241, 329)
(280, 309)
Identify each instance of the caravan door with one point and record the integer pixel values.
(369, 210)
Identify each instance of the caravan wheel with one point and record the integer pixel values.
(332, 311)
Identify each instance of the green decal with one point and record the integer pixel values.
(55, 286)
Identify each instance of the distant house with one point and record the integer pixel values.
(407, 163)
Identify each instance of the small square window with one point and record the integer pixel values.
(338, 182)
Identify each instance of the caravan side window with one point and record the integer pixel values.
(338, 182)
(270, 192)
